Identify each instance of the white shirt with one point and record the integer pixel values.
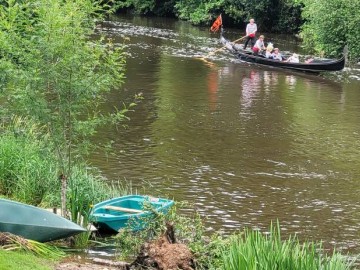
(259, 44)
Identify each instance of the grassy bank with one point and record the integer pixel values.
(246, 249)
(23, 261)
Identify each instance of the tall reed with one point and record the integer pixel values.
(27, 166)
(85, 189)
(254, 250)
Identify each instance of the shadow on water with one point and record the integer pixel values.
(246, 144)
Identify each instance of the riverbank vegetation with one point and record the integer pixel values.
(285, 15)
(56, 77)
(246, 249)
(330, 25)
(325, 26)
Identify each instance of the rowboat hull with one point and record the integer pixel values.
(314, 67)
(130, 212)
(34, 223)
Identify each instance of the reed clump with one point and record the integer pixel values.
(254, 250)
(27, 167)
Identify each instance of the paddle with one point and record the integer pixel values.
(210, 53)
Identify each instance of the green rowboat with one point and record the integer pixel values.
(34, 223)
(134, 210)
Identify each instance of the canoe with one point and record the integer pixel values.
(134, 210)
(34, 223)
(316, 66)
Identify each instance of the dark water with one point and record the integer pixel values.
(246, 144)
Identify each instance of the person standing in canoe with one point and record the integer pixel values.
(251, 29)
(259, 45)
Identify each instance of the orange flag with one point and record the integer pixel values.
(216, 25)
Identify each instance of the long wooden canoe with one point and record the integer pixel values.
(34, 223)
(316, 66)
(134, 210)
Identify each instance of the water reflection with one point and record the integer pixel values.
(213, 77)
(250, 89)
(291, 81)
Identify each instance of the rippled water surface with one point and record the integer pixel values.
(246, 144)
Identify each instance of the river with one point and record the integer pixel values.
(245, 144)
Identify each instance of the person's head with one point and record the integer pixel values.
(252, 21)
(269, 47)
(262, 37)
(276, 50)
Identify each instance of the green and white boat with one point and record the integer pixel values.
(34, 223)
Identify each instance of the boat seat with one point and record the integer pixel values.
(122, 209)
(102, 215)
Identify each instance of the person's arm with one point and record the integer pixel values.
(247, 30)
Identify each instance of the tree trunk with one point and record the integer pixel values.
(63, 180)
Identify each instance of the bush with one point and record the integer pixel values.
(330, 25)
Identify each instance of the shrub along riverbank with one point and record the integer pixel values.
(326, 26)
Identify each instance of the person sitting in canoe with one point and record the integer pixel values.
(259, 45)
(276, 55)
(309, 59)
(269, 51)
(293, 59)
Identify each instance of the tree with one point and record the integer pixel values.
(53, 71)
(330, 25)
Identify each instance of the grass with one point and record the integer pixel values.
(16, 260)
(27, 167)
(253, 250)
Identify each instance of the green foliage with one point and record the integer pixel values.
(270, 16)
(198, 12)
(57, 75)
(160, 8)
(188, 229)
(28, 170)
(139, 6)
(279, 16)
(254, 250)
(330, 25)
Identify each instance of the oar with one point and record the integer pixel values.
(210, 53)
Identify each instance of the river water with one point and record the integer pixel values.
(245, 144)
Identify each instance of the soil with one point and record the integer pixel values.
(165, 254)
(97, 264)
(83, 266)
